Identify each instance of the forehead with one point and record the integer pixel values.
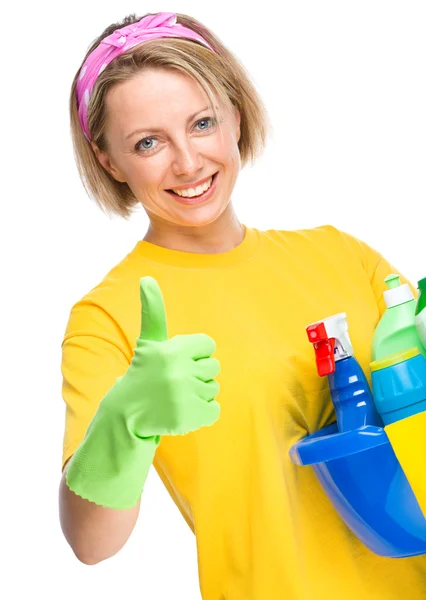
(156, 89)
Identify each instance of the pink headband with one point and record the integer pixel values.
(160, 25)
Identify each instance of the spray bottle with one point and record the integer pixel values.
(349, 388)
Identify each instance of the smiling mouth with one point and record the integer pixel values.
(189, 197)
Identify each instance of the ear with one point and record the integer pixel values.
(105, 161)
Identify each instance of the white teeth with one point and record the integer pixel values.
(190, 192)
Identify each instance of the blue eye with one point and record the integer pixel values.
(145, 150)
(205, 120)
(141, 142)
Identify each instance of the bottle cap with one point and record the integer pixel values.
(397, 293)
(394, 359)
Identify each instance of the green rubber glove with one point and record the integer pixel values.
(168, 389)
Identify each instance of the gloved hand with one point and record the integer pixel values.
(168, 389)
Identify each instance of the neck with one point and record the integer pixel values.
(223, 235)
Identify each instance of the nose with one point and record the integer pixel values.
(187, 160)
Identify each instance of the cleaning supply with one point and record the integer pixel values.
(396, 330)
(367, 486)
(408, 441)
(399, 390)
(420, 312)
(399, 385)
(349, 388)
(353, 459)
(168, 389)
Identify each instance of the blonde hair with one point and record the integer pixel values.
(218, 73)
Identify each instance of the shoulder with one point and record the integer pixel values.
(104, 310)
(326, 244)
(326, 236)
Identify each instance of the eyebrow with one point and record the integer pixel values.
(158, 129)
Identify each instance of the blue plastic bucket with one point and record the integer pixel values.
(367, 486)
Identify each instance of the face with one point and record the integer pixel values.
(178, 143)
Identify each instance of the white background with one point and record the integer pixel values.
(344, 84)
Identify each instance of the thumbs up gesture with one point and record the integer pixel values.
(169, 387)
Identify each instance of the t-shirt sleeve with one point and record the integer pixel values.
(94, 354)
(376, 266)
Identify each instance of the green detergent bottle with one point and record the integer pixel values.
(420, 314)
(396, 330)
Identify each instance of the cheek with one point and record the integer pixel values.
(143, 177)
(235, 159)
(228, 146)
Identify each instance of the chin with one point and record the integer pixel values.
(200, 217)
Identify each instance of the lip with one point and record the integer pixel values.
(189, 185)
(199, 199)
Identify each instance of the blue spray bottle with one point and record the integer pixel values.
(349, 388)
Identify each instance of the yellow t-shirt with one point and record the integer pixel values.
(265, 528)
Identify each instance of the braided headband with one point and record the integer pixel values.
(160, 25)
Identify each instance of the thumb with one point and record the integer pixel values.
(154, 322)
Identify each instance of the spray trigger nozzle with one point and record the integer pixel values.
(324, 348)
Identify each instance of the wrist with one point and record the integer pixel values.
(111, 464)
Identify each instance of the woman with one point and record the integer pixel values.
(179, 113)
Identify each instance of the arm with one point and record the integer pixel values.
(94, 354)
(168, 389)
(94, 533)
